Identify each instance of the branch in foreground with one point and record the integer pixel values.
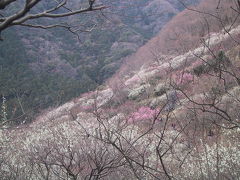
(22, 16)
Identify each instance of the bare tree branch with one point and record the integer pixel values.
(22, 16)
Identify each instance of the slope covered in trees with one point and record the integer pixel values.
(185, 32)
(176, 117)
(42, 68)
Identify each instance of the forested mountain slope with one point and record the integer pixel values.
(175, 117)
(183, 33)
(42, 68)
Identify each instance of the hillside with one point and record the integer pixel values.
(183, 33)
(176, 117)
(45, 68)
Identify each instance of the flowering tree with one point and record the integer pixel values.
(4, 110)
(197, 139)
(183, 78)
(143, 113)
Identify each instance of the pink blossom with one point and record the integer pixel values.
(133, 80)
(143, 113)
(183, 78)
(86, 108)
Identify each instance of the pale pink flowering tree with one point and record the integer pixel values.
(143, 113)
(183, 78)
(87, 108)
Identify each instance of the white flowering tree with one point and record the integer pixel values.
(209, 85)
(193, 136)
(4, 110)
